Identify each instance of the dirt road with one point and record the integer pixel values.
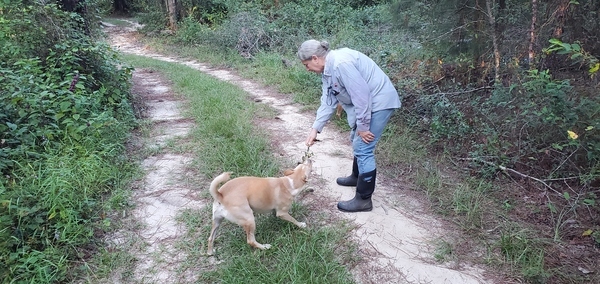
(398, 232)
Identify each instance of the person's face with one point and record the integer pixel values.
(314, 64)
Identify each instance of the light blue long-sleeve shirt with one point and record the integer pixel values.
(358, 84)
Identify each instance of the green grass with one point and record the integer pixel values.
(226, 138)
(312, 255)
(443, 251)
(58, 205)
(523, 252)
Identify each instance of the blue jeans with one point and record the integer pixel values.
(365, 153)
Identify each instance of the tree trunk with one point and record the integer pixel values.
(532, 36)
(172, 10)
(492, 21)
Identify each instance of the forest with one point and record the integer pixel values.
(508, 82)
(507, 89)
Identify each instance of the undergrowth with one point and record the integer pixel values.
(65, 115)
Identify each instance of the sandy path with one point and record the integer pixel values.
(397, 231)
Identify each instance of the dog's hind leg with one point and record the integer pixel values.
(250, 226)
(216, 223)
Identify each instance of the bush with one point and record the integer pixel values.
(191, 31)
(540, 127)
(64, 115)
(74, 91)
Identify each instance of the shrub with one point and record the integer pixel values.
(64, 115)
(525, 126)
(191, 31)
(75, 90)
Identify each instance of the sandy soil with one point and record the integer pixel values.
(397, 234)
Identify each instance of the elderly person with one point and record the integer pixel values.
(367, 96)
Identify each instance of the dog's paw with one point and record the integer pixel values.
(301, 224)
(267, 246)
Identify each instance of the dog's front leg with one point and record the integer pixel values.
(286, 216)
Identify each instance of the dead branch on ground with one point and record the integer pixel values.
(509, 170)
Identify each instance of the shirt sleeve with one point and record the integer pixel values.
(326, 110)
(358, 89)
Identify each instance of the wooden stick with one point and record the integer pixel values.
(505, 169)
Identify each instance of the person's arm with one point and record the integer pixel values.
(326, 109)
(324, 113)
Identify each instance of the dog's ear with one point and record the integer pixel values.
(288, 172)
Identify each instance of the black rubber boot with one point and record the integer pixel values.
(351, 179)
(362, 200)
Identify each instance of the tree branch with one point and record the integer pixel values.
(509, 170)
(462, 92)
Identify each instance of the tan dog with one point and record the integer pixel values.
(239, 198)
(338, 110)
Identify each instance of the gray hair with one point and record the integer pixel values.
(312, 47)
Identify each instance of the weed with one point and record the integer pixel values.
(444, 251)
(522, 251)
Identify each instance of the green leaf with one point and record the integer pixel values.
(566, 195)
(555, 41)
(557, 146)
(65, 106)
(12, 126)
(552, 208)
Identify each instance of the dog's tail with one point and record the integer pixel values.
(214, 185)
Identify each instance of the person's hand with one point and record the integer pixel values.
(366, 136)
(310, 140)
